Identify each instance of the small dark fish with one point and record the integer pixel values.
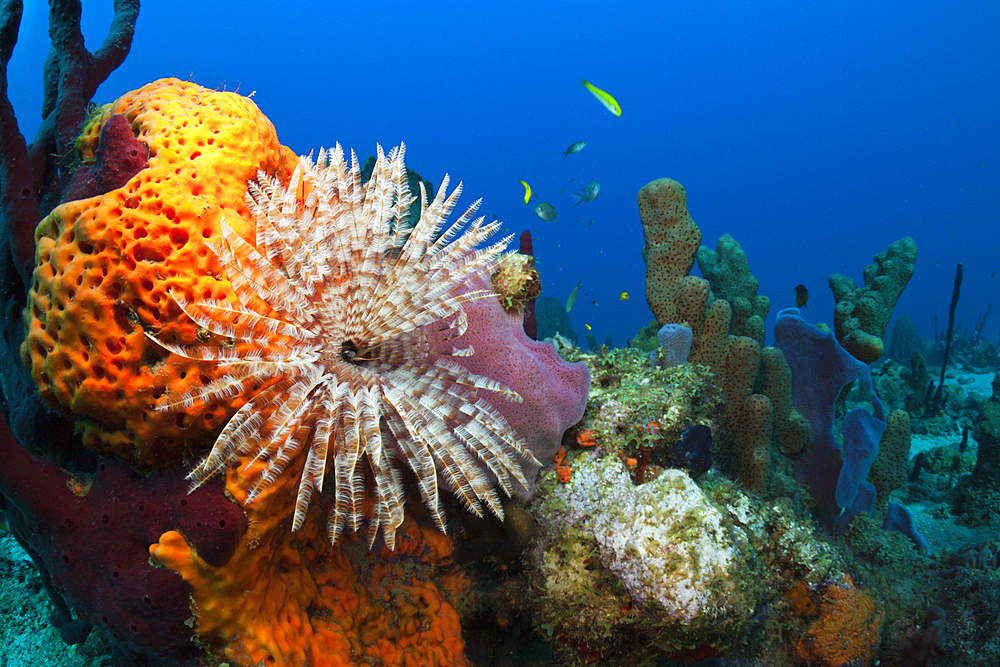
(801, 296)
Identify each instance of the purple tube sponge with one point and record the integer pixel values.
(675, 346)
(835, 473)
(899, 519)
(553, 392)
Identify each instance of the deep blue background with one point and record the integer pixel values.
(815, 135)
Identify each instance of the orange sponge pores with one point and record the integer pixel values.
(291, 599)
(105, 267)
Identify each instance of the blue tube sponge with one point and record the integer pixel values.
(834, 472)
(675, 346)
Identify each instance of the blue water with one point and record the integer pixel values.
(815, 135)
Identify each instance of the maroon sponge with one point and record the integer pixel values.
(92, 545)
(118, 158)
(530, 320)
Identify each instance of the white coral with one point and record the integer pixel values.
(339, 307)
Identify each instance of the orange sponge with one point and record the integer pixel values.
(105, 268)
(847, 631)
(293, 599)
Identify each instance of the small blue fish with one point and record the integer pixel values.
(546, 211)
(589, 193)
(574, 147)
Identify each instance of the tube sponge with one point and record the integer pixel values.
(675, 346)
(834, 473)
(672, 240)
(862, 313)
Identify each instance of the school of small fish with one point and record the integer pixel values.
(548, 213)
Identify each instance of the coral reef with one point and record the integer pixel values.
(862, 313)
(117, 266)
(672, 240)
(633, 549)
(619, 507)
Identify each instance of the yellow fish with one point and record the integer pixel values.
(610, 103)
(527, 191)
(623, 296)
(589, 328)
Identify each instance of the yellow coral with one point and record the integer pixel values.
(104, 268)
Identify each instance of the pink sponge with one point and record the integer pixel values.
(554, 391)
